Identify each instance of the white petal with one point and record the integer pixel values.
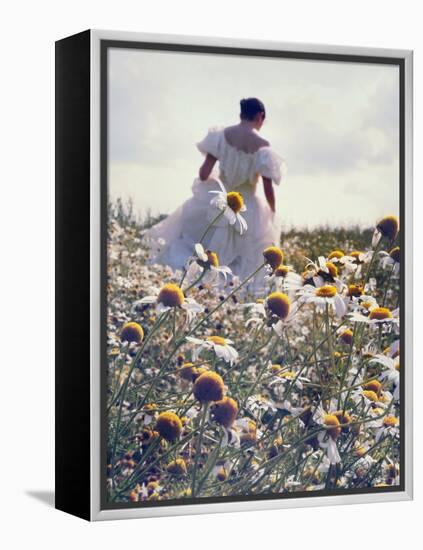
(199, 250)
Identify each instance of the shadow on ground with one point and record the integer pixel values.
(46, 497)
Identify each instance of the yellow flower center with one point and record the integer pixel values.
(208, 387)
(361, 451)
(273, 256)
(336, 254)
(190, 372)
(169, 426)
(225, 411)
(290, 375)
(388, 226)
(395, 254)
(325, 291)
(397, 366)
(132, 332)
(333, 270)
(212, 259)
(371, 395)
(380, 313)
(373, 385)
(171, 296)
(177, 467)
(221, 474)
(217, 340)
(346, 336)
(282, 271)
(279, 304)
(331, 421)
(344, 418)
(355, 290)
(390, 421)
(235, 201)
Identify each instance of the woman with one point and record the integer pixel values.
(239, 235)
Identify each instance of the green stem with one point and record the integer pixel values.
(159, 322)
(203, 236)
(198, 448)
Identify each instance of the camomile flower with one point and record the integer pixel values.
(280, 311)
(278, 305)
(362, 304)
(322, 296)
(376, 316)
(248, 431)
(327, 437)
(221, 470)
(391, 260)
(336, 255)
(388, 426)
(391, 374)
(323, 271)
(370, 397)
(220, 346)
(171, 296)
(231, 204)
(354, 261)
(290, 377)
(206, 262)
(279, 276)
(387, 227)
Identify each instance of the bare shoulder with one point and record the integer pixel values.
(244, 139)
(261, 142)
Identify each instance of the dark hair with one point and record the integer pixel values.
(250, 107)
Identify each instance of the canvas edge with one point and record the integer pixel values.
(97, 514)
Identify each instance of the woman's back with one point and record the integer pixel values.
(244, 139)
(242, 155)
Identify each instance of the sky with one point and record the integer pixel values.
(335, 124)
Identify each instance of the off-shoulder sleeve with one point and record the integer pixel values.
(211, 143)
(270, 165)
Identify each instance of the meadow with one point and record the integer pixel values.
(213, 391)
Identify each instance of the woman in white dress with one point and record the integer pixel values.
(243, 156)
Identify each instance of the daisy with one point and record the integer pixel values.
(322, 296)
(327, 438)
(324, 271)
(290, 377)
(391, 260)
(282, 276)
(377, 316)
(355, 260)
(280, 311)
(206, 262)
(278, 306)
(231, 204)
(391, 374)
(220, 346)
(387, 427)
(387, 227)
(171, 296)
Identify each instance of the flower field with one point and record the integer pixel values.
(215, 391)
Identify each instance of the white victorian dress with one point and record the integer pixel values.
(239, 171)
